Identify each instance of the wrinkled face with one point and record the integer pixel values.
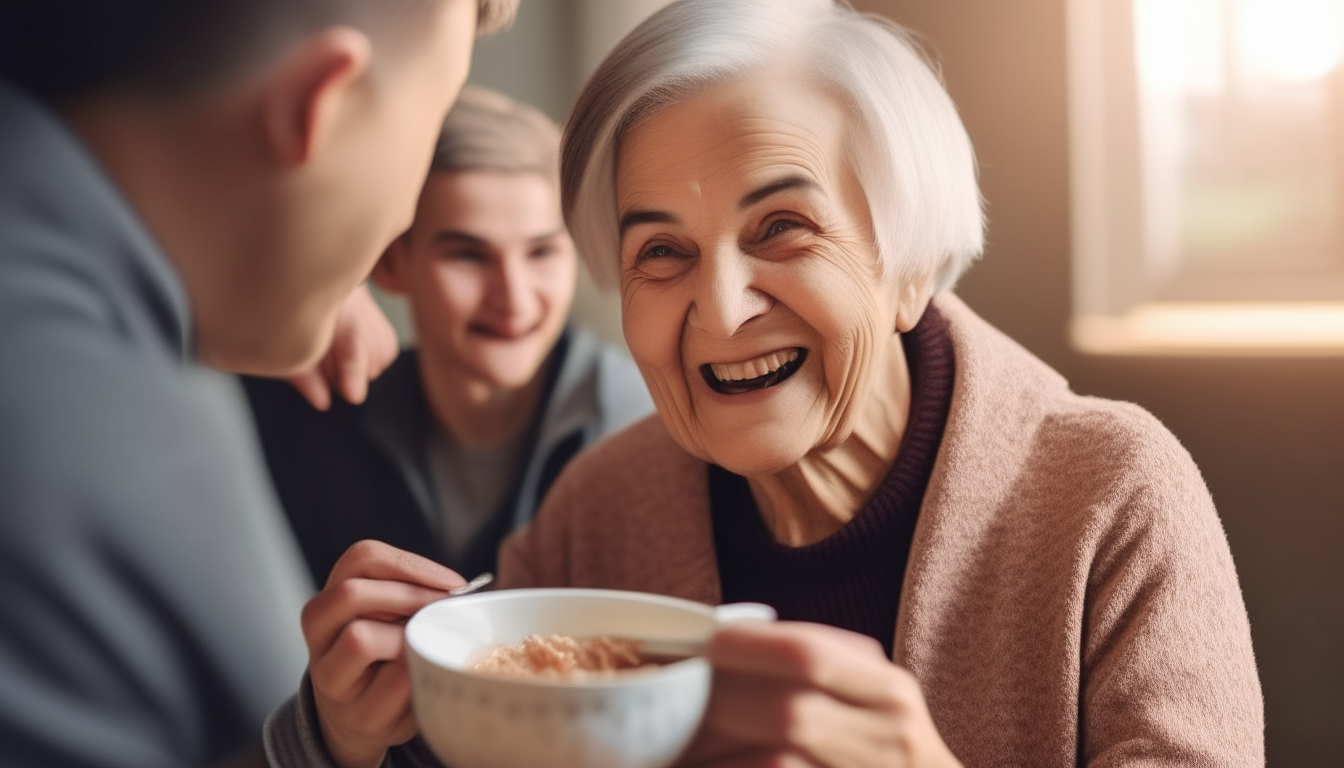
(752, 296)
(489, 270)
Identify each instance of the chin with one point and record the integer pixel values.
(507, 382)
(276, 356)
(504, 377)
(763, 463)
(756, 453)
(509, 369)
(302, 349)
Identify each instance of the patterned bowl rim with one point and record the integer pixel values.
(693, 666)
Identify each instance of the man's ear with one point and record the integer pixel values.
(310, 91)
(912, 298)
(387, 273)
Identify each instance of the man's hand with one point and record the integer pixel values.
(799, 694)
(356, 647)
(362, 347)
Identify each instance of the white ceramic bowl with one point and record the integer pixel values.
(637, 721)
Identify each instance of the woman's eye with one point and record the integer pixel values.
(658, 252)
(662, 261)
(780, 226)
(543, 251)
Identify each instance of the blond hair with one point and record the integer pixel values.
(494, 16)
(488, 131)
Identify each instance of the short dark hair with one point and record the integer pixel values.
(63, 50)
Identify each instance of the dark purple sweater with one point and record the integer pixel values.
(851, 579)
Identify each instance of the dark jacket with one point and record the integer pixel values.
(360, 472)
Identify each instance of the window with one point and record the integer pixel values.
(1208, 176)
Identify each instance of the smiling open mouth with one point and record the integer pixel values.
(759, 373)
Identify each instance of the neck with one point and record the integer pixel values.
(473, 412)
(197, 187)
(154, 153)
(815, 497)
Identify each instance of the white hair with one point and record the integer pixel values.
(908, 147)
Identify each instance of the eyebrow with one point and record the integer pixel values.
(637, 216)
(451, 235)
(795, 181)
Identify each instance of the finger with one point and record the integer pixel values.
(325, 616)
(313, 388)
(713, 746)
(373, 559)
(750, 712)
(329, 367)
(381, 342)
(390, 697)
(348, 668)
(354, 373)
(844, 664)
(379, 718)
(383, 354)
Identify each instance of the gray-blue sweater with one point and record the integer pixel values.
(149, 589)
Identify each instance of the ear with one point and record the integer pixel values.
(307, 94)
(387, 273)
(912, 298)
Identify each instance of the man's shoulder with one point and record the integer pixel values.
(65, 367)
(86, 411)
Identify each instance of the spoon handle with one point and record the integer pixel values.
(473, 585)
(731, 613)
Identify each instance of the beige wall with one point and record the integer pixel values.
(1268, 434)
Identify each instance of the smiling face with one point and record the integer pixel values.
(752, 295)
(489, 271)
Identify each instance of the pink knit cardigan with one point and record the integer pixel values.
(1070, 598)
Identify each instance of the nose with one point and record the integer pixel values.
(725, 298)
(512, 299)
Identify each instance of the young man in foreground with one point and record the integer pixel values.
(181, 185)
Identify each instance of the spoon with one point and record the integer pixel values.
(724, 615)
(471, 586)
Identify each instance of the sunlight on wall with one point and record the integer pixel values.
(1207, 175)
(1293, 40)
(1211, 328)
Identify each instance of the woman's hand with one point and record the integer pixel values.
(356, 647)
(798, 694)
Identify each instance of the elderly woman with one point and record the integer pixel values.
(975, 565)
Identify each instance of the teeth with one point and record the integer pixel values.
(754, 368)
